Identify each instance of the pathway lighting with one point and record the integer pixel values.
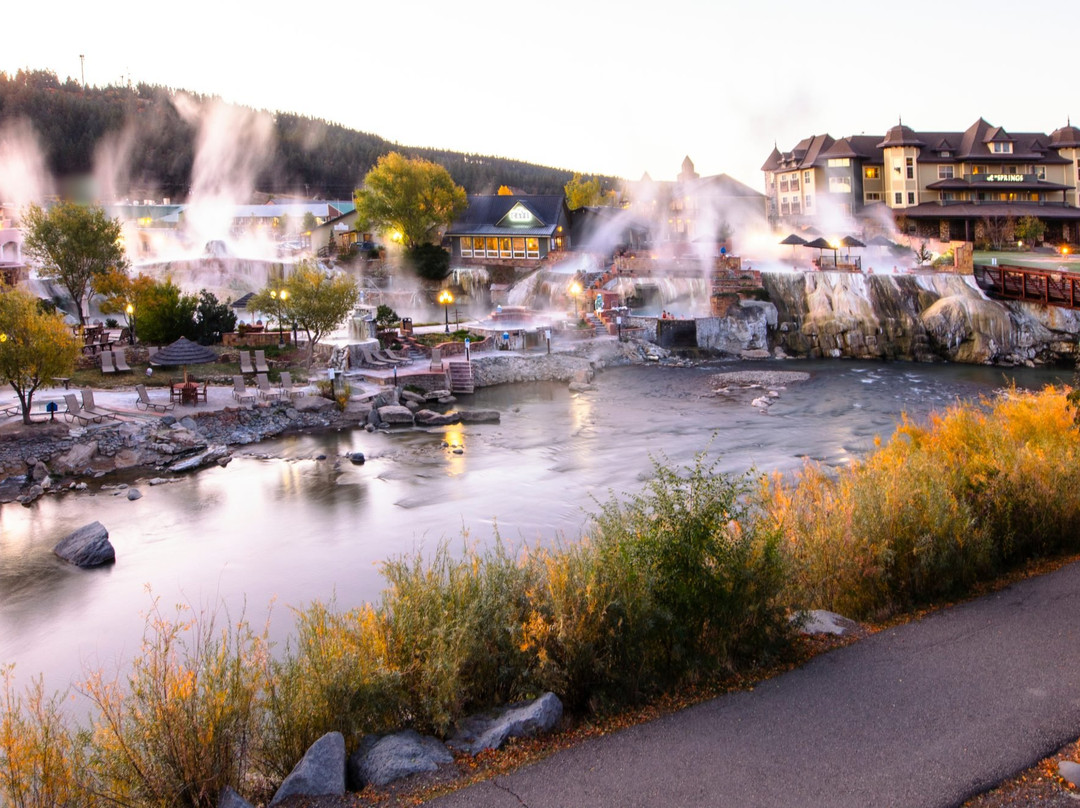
(575, 290)
(279, 298)
(445, 298)
(130, 311)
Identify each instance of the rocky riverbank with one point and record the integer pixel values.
(56, 456)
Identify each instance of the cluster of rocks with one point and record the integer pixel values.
(380, 760)
(411, 408)
(741, 383)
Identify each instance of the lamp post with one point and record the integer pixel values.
(130, 311)
(446, 299)
(575, 290)
(279, 298)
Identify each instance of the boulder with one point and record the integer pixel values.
(88, 546)
(431, 418)
(819, 621)
(478, 733)
(381, 760)
(39, 472)
(357, 458)
(230, 799)
(1070, 770)
(312, 404)
(211, 454)
(479, 416)
(409, 395)
(32, 495)
(76, 459)
(134, 494)
(395, 414)
(321, 771)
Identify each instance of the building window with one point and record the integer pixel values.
(532, 247)
(519, 247)
(478, 247)
(1002, 148)
(873, 196)
(978, 169)
(466, 247)
(945, 172)
(504, 248)
(839, 185)
(872, 172)
(911, 197)
(1040, 172)
(809, 202)
(946, 154)
(839, 162)
(492, 247)
(910, 163)
(899, 198)
(806, 177)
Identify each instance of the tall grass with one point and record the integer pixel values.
(976, 491)
(692, 578)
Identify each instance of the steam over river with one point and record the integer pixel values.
(279, 525)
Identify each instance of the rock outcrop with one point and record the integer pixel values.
(321, 771)
(381, 760)
(491, 731)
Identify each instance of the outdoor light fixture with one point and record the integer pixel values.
(130, 311)
(446, 299)
(575, 290)
(280, 298)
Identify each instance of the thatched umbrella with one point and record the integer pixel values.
(795, 241)
(183, 352)
(821, 243)
(849, 242)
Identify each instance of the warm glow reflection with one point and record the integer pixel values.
(455, 439)
(575, 288)
(1064, 249)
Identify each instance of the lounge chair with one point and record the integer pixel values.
(107, 365)
(143, 402)
(260, 362)
(287, 386)
(89, 406)
(436, 360)
(120, 360)
(386, 357)
(240, 391)
(368, 359)
(200, 393)
(245, 363)
(403, 358)
(265, 390)
(76, 412)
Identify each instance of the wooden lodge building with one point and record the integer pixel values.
(509, 230)
(947, 185)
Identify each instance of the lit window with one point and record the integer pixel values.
(466, 247)
(504, 248)
(532, 247)
(519, 247)
(839, 162)
(493, 247)
(872, 172)
(910, 163)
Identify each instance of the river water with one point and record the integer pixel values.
(279, 525)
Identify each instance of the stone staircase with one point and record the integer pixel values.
(461, 376)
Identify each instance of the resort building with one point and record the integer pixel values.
(509, 230)
(947, 185)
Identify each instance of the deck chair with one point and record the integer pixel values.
(107, 365)
(287, 386)
(436, 360)
(143, 402)
(120, 360)
(260, 362)
(240, 391)
(245, 363)
(386, 357)
(77, 413)
(90, 407)
(369, 360)
(405, 359)
(265, 390)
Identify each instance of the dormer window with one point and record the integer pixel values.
(946, 153)
(1001, 147)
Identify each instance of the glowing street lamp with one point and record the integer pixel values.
(575, 290)
(445, 298)
(279, 298)
(130, 311)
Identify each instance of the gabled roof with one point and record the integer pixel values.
(486, 214)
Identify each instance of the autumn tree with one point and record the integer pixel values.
(582, 193)
(75, 245)
(318, 302)
(35, 346)
(412, 197)
(1030, 230)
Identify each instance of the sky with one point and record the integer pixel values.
(618, 87)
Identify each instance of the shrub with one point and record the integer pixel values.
(184, 725)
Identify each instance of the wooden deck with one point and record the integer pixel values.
(1051, 288)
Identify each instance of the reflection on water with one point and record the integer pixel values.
(279, 523)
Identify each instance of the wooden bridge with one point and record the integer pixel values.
(1049, 287)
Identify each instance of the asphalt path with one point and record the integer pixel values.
(926, 714)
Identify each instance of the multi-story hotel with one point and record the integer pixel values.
(947, 185)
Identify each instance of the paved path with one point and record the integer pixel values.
(926, 714)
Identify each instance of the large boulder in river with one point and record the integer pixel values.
(395, 414)
(481, 732)
(321, 771)
(479, 416)
(88, 546)
(432, 418)
(381, 760)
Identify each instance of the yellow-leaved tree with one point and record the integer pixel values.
(35, 345)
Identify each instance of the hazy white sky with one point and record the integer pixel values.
(610, 86)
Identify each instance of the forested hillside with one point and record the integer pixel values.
(311, 156)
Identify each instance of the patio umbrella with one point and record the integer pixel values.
(183, 352)
(822, 244)
(795, 241)
(849, 242)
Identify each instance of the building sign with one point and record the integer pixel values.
(1004, 178)
(520, 216)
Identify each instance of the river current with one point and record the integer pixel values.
(280, 525)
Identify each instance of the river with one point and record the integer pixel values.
(280, 525)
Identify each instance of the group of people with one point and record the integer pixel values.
(666, 315)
